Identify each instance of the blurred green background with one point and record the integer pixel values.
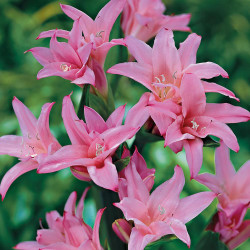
(225, 30)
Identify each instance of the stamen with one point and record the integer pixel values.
(163, 78)
(158, 80)
(161, 210)
(65, 67)
(37, 137)
(99, 34)
(195, 125)
(174, 75)
(99, 149)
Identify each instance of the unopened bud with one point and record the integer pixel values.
(122, 228)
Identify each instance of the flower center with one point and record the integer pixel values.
(161, 210)
(64, 67)
(99, 149)
(195, 125)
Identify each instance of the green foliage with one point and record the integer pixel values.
(225, 30)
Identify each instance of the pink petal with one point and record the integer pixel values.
(76, 128)
(16, 171)
(52, 218)
(227, 113)
(80, 172)
(116, 136)
(194, 155)
(188, 50)
(176, 147)
(84, 52)
(211, 181)
(138, 114)
(80, 205)
(115, 119)
(180, 230)
(122, 229)
(28, 245)
(163, 49)
(213, 87)
(193, 96)
(58, 246)
(43, 127)
(95, 237)
(48, 236)
(87, 78)
(165, 198)
(67, 156)
(106, 17)
(42, 55)
(134, 210)
(50, 33)
(27, 120)
(73, 12)
(94, 121)
(11, 145)
(206, 70)
(75, 36)
(139, 50)
(106, 176)
(70, 205)
(191, 206)
(63, 52)
(224, 168)
(178, 22)
(135, 71)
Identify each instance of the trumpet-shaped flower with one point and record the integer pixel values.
(162, 212)
(93, 144)
(144, 18)
(161, 68)
(67, 232)
(81, 59)
(32, 147)
(232, 187)
(199, 119)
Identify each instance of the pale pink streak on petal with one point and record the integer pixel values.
(135, 71)
(80, 206)
(26, 119)
(139, 50)
(194, 155)
(166, 196)
(106, 176)
(115, 119)
(224, 168)
(94, 121)
(191, 206)
(75, 127)
(106, 17)
(42, 55)
(50, 33)
(16, 171)
(188, 50)
(70, 205)
(43, 127)
(206, 70)
(134, 209)
(193, 96)
(115, 136)
(67, 156)
(139, 113)
(11, 145)
(180, 230)
(163, 49)
(95, 237)
(213, 87)
(226, 113)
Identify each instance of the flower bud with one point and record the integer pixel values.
(122, 228)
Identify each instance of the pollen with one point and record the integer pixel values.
(99, 149)
(161, 210)
(195, 125)
(99, 34)
(64, 67)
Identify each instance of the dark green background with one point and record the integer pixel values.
(224, 27)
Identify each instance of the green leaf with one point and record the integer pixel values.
(209, 142)
(84, 101)
(122, 163)
(164, 239)
(210, 240)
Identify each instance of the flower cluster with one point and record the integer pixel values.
(177, 109)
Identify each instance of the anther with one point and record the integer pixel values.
(65, 67)
(195, 125)
(99, 149)
(174, 75)
(99, 34)
(161, 210)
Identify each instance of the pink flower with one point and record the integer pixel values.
(67, 232)
(161, 68)
(199, 119)
(144, 18)
(81, 60)
(93, 144)
(127, 177)
(232, 187)
(122, 228)
(162, 212)
(32, 148)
